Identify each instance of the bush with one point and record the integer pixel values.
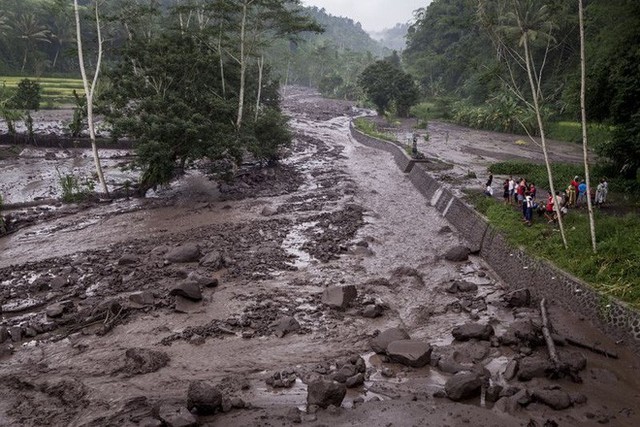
(369, 128)
(74, 189)
(270, 135)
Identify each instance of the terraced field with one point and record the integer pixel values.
(56, 92)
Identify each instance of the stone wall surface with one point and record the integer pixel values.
(514, 266)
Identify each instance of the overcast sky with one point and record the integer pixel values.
(374, 15)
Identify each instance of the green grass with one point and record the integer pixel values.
(369, 128)
(55, 91)
(614, 271)
(572, 132)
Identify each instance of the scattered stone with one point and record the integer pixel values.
(237, 403)
(372, 311)
(518, 298)
(50, 155)
(457, 254)
(212, 260)
(149, 422)
(410, 352)
(533, 367)
(493, 393)
(463, 385)
(450, 366)
(206, 281)
(354, 381)
(204, 397)
(339, 296)
(522, 331)
(187, 289)
(55, 310)
(143, 361)
(282, 379)
(176, 416)
(462, 286)
(345, 372)
(184, 253)
(128, 259)
(294, 415)
(324, 393)
(472, 331)
(576, 361)
(285, 325)
(4, 333)
(387, 372)
(141, 299)
(555, 399)
(380, 343)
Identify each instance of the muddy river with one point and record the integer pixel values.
(111, 313)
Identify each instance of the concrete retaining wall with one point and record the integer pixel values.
(514, 266)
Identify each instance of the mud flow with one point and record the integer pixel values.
(325, 291)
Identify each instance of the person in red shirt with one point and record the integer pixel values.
(548, 213)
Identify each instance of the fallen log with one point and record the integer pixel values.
(546, 332)
(593, 348)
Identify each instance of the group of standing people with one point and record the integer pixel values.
(521, 193)
(577, 193)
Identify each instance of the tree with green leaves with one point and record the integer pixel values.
(385, 84)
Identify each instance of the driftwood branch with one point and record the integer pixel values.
(593, 348)
(553, 355)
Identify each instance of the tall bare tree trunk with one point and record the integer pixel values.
(260, 68)
(224, 88)
(583, 111)
(89, 90)
(534, 93)
(243, 66)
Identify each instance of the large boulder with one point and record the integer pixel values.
(533, 367)
(185, 253)
(142, 361)
(213, 260)
(187, 289)
(339, 296)
(324, 393)
(410, 352)
(457, 254)
(380, 343)
(463, 385)
(556, 399)
(522, 332)
(472, 331)
(204, 397)
(141, 299)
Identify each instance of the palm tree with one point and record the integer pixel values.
(30, 32)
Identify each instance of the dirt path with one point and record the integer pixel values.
(88, 291)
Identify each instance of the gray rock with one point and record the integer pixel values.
(576, 361)
(185, 305)
(55, 310)
(204, 397)
(518, 298)
(128, 259)
(372, 311)
(457, 254)
(185, 253)
(354, 381)
(522, 331)
(380, 343)
(237, 403)
(510, 370)
(212, 260)
(533, 367)
(4, 334)
(339, 296)
(16, 333)
(555, 399)
(324, 393)
(450, 366)
(6, 350)
(143, 360)
(344, 373)
(463, 385)
(410, 352)
(149, 422)
(141, 299)
(187, 289)
(472, 331)
(294, 415)
(493, 393)
(462, 286)
(269, 211)
(206, 281)
(176, 416)
(285, 325)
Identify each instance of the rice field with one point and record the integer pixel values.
(56, 92)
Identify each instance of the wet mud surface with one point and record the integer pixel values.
(112, 314)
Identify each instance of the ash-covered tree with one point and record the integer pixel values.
(385, 83)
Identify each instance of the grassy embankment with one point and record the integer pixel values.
(614, 271)
(56, 92)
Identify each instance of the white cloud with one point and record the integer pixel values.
(374, 15)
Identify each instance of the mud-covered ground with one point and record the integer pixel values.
(111, 314)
